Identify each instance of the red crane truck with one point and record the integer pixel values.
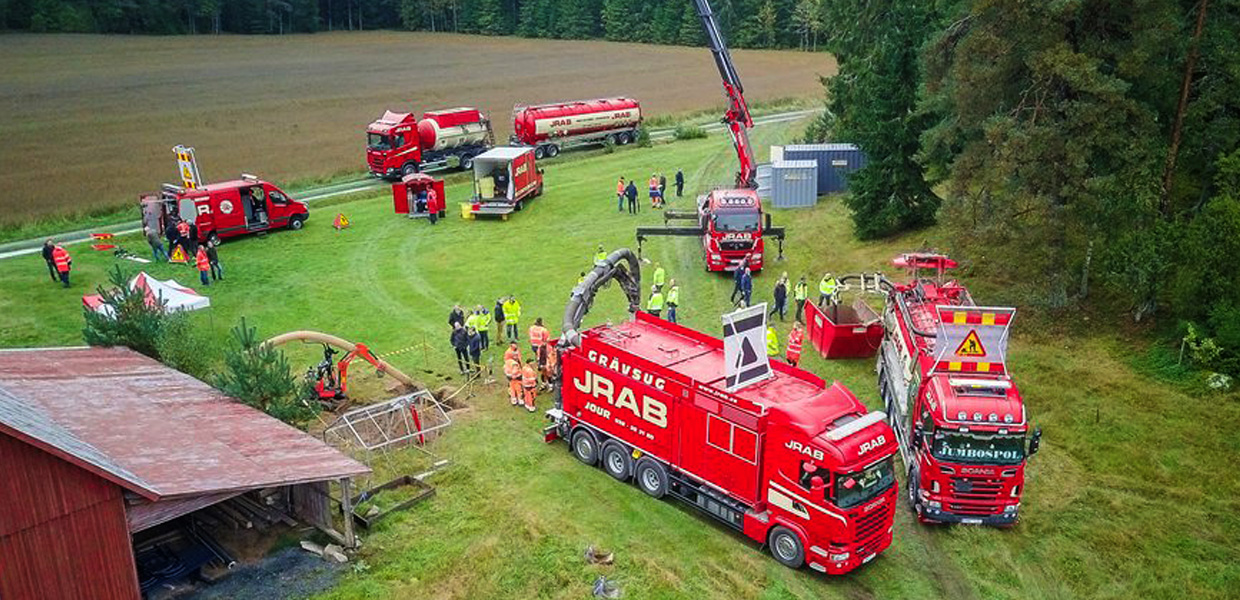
(549, 128)
(730, 222)
(961, 422)
(225, 209)
(399, 144)
(790, 462)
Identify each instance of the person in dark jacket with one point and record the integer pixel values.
(781, 297)
(475, 350)
(48, 246)
(457, 316)
(662, 189)
(737, 277)
(157, 247)
(747, 286)
(193, 237)
(631, 193)
(213, 257)
(680, 183)
(460, 343)
(498, 313)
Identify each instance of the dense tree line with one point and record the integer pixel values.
(748, 23)
(1090, 149)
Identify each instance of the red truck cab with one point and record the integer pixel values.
(392, 148)
(960, 419)
(790, 462)
(732, 222)
(226, 209)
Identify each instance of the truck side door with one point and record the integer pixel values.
(721, 444)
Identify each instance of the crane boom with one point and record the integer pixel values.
(737, 118)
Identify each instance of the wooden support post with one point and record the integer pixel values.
(346, 505)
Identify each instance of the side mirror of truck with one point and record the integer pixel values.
(1035, 441)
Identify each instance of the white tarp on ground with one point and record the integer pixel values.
(171, 294)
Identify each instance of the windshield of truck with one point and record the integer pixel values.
(736, 221)
(852, 489)
(978, 448)
(378, 141)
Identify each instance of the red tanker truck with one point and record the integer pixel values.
(549, 128)
(961, 422)
(398, 144)
(790, 461)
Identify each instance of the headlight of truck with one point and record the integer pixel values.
(715, 257)
(935, 504)
(839, 557)
(1011, 508)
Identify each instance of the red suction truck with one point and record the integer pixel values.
(791, 462)
(961, 422)
(399, 144)
(549, 128)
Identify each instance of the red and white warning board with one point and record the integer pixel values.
(973, 339)
(188, 167)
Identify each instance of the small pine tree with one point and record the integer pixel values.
(128, 321)
(258, 375)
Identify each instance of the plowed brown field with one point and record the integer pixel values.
(87, 122)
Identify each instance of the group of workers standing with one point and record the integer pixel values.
(184, 235)
(659, 299)
(470, 337)
(626, 191)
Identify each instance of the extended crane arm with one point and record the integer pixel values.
(737, 118)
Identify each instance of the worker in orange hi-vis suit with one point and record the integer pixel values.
(204, 265)
(529, 382)
(512, 370)
(794, 344)
(548, 361)
(513, 353)
(538, 336)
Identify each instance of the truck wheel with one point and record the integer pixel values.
(585, 448)
(616, 460)
(553, 151)
(786, 547)
(296, 222)
(519, 206)
(409, 168)
(467, 162)
(540, 153)
(624, 138)
(651, 477)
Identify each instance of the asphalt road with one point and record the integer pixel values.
(32, 246)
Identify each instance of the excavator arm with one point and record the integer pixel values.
(737, 117)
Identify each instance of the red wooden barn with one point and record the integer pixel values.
(99, 444)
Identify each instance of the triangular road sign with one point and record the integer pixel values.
(971, 346)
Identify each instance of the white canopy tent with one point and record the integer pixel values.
(172, 295)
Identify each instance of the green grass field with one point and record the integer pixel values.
(1132, 495)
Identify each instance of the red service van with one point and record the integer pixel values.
(225, 209)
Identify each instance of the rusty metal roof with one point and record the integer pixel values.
(151, 429)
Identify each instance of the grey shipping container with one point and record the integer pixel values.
(793, 183)
(764, 181)
(835, 163)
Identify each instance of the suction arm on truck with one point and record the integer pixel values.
(621, 266)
